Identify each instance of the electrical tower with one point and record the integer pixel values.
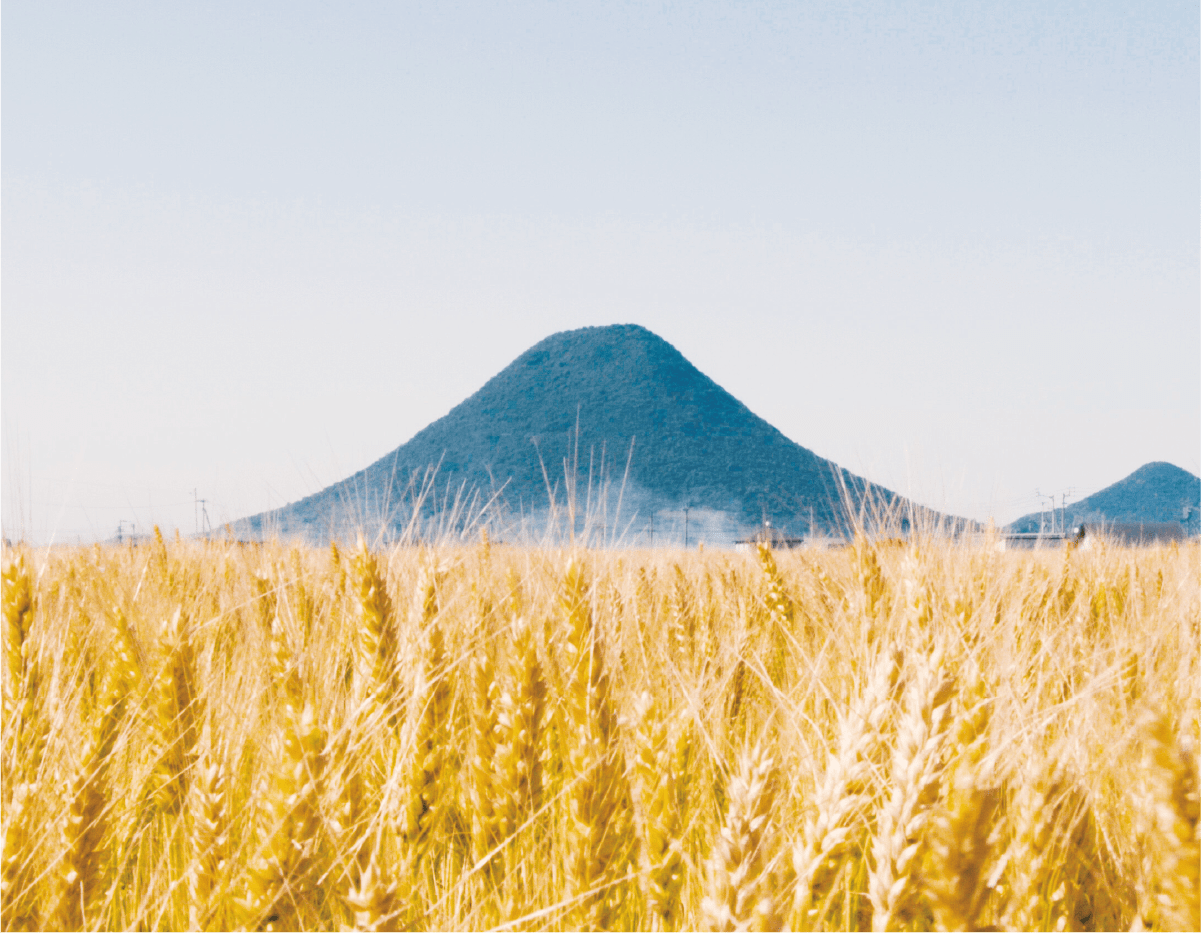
(201, 512)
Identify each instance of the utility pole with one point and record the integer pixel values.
(201, 512)
(1063, 509)
(1042, 513)
(685, 528)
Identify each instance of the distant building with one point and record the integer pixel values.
(774, 538)
(1029, 541)
(825, 542)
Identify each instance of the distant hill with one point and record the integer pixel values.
(1155, 492)
(571, 407)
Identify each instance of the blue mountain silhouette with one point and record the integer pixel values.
(579, 406)
(1155, 492)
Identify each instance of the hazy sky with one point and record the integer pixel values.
(248, 248)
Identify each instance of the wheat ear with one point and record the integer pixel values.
(961, 841)
(425, 801)
(373, 901)
(1169, 818)
(348, 783)
(600, 833)
(963, 829)
(86, 825)
(847, 791)
(520, 730)
(744, 892)
(175, 715)
(681, 620)
(917, 765)
(873, 590)
(208, 836)
(775, 597)
(780, 612)
(279, 874)
(517, 777)
(1043, 818)
(482, 765)
(18, 619)
(124, 674)
(24, 743)
(659, 787)
(375, 646)
(15, 907)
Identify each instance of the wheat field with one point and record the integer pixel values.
(203, 735)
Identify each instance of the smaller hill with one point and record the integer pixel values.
(1155, 492)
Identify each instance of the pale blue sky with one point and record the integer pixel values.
(250, 248)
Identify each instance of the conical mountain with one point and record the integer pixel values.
(579, 406)
(1155, 492)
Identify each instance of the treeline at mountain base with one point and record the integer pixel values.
(931, 736)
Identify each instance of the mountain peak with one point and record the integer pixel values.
(572, 411)
(1158, 471)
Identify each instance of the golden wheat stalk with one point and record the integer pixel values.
(33, 730)
(373, 901)
(18, 619)
(601, 836)
(681, 619)
(915, 594)
(517, 774)
(375, 645)
(917, 765)
(280, 874)
(24, 733)
(80, 869)
(961, 841)
(175, 715)
(779, 605)
(870, 597)
(1043, 817)
(659, 792)
(520, 726)
(425, 799)
(745, 889)
(1169, 828)
(780, 613)
(124, 676)
(483, 792)
(266, 599)
(353, 763)
(580, 643)
(208, 837)
(847, 791)
(963, 830)
(16, 911)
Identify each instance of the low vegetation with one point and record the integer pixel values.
(213, 736)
